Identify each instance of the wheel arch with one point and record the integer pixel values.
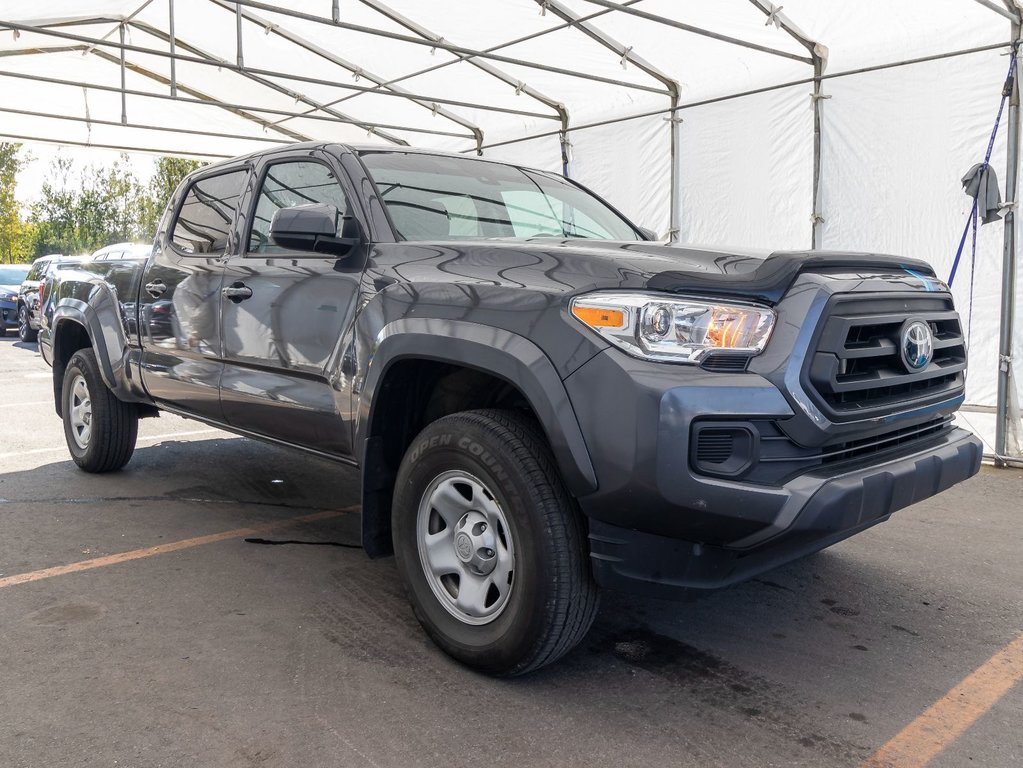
(441, 349)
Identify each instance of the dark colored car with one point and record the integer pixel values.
(28, 296)
(11, 278)
(541, 400)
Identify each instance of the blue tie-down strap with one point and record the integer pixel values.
(971, 219)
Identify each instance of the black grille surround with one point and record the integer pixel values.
(856, 371)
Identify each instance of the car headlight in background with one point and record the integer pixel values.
(674, 330)
(13, 297)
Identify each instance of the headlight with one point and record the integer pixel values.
(674, 330)
(9, 297)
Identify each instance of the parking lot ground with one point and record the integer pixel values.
(223, 652)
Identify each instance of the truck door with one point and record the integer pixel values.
(179, 302)
(285, 314)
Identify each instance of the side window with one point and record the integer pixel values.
(36, 271)
(287, 184)
(207, 214)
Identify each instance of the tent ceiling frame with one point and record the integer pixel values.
(470, 59)
(222, 64)
(117, 147)
(484, 66)
(193, 92)
(139, 126)
(673, 89)
(620, 8)
(244, 72)
(213, 102)
(446, 46)
(354, 69)
(1006, 9)
(197, 94)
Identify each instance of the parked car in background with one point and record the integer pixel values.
(28, 297)
(119, 251)
(11, 277)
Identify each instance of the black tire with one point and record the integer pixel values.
(25, 331)
(552, 598)
(113, 425)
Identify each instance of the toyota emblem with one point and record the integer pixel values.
(916, 345)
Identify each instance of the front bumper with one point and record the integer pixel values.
(827, 510)
(658, 526)
(8, 315)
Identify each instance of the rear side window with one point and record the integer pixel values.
(37, 270)
(207, 213)
(292, 183)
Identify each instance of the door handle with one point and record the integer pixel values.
(156, 288)
(237, 292)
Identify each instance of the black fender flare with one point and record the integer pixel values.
(491, 350)
(101, 319)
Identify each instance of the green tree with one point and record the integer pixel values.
(15, 234)
(80, 212)
(167, 174)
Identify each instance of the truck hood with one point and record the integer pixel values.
(576, 265)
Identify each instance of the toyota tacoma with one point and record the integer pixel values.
(541, 400)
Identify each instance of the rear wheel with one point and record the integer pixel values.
(490, 545)
(100, 430)
(25, 331)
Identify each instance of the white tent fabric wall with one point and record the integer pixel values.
(895, 141)
(878, 195)
(747, 171)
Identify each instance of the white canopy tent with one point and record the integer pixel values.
(823, 123)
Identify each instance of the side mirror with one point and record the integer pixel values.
(314, 228)
(649, 234)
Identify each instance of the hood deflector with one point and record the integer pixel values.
(769, 282)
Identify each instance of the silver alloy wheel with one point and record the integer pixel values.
(80, 412)
(465, 547)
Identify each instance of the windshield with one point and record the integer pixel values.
(11, 274)
(434, 197)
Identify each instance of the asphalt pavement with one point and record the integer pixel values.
(140, 627)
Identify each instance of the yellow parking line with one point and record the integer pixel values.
(174, 546)
(923, 739)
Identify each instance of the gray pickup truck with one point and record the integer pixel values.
(541, 400)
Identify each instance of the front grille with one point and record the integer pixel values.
(857, 369)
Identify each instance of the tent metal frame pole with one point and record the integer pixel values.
(124, 78)
(673, 89)
(697, 30)
(818, 58)
(1001, 10)
(119, 147)
(173, 52)
(353, 69)
(209, 101)
(221, 64)
(755, 91)
(140, 126)
(507, 44)
(816, 217)
(240, 58)
(445, 46)
(1008, 307)
(248, 74)
(484, 66)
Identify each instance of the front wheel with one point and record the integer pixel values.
(489, 544)
(100, 430)
(25, 330)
